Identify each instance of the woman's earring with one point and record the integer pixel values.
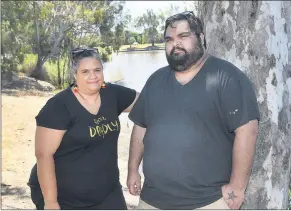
(103, 85)
(75, 89)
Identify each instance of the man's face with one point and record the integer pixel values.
(183, 47)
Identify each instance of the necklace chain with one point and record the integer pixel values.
(85, 98)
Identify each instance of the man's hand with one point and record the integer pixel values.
(134, 183)
(52, 206)
(233, 197)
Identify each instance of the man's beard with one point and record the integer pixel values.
(183, 62)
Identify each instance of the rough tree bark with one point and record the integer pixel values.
(256, 37)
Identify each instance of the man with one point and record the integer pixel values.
(196, 124)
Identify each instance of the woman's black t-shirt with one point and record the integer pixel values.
(86, 163)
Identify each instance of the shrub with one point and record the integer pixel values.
(108, 50)
(28, 64)
(103, 54)
(52, 70)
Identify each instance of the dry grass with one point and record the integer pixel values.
(18, 126)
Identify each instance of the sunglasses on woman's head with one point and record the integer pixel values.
(80, 50)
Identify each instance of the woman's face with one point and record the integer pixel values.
(89, 76)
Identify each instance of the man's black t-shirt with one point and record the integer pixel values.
(86, 161)
(190, 132)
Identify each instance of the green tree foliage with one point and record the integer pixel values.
(153, 23)
(129, 34)
(119, 37)
(50, 29)
(131, 41)
(149, 21)
(15, 33)
(166, 12)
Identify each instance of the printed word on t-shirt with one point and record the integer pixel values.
(102, 129)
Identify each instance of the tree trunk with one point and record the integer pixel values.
(38, 65)
(255, 36)
(37, 72)
(80, 39)
(70, 74)
(153, 36)
(59, 74)
(64, 67)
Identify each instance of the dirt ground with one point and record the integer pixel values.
(18, 127)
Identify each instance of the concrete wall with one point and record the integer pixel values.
(256, 37)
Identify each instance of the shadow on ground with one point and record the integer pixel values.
(9, 92)
(7, 190)
(19, 93)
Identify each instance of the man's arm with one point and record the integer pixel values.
(243, 155)
(135, 157)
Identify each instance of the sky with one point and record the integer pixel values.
(137, 8)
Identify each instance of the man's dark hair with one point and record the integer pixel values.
(195, 23)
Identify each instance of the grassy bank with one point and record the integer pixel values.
(141, 46)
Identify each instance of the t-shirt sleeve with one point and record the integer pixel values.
(125, 97)
(238, 101)
(53, 115)
(138, 112)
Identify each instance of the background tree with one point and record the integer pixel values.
(131, 41)
(38, 32)
(149, 22)
(254, 35)
(15, 33)
(52, 20)
(119, 37)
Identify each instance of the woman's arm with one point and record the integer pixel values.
(47, 142)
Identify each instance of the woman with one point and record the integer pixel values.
(76, 141)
